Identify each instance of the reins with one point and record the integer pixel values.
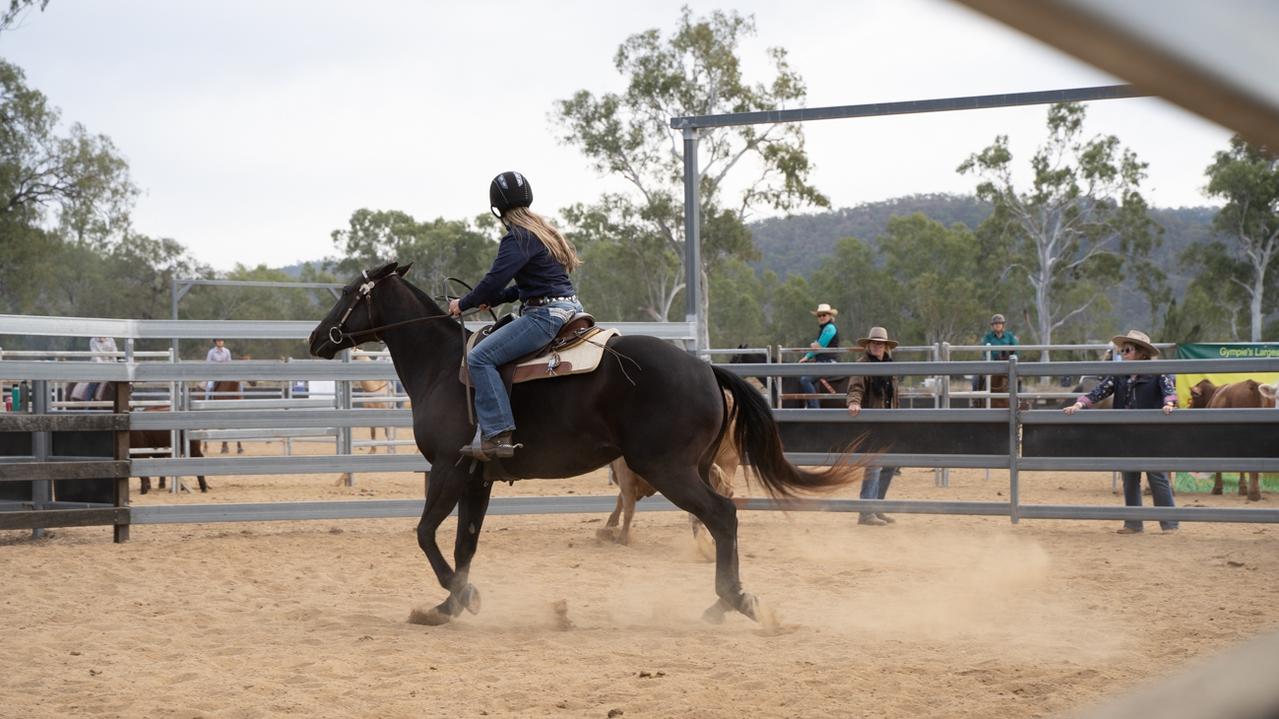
(337, 334)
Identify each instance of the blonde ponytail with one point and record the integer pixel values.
(557, 244)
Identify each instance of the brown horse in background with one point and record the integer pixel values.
(376, 387)
(227, 389)
(631, 488)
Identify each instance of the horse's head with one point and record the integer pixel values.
(748, 357)
(354, 313)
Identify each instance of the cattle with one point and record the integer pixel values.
(1270, 392)
(1245, 394)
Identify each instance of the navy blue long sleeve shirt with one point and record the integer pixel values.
(522, 257)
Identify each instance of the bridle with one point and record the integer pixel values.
(365, 292)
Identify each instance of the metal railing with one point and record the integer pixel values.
(341, 415)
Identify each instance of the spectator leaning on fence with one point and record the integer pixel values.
(1137, 391)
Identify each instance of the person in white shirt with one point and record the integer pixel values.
(103, 349)
(217, 353)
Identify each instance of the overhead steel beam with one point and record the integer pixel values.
(908, 107)
(1217, 60)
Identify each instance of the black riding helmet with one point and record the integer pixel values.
(509, 190)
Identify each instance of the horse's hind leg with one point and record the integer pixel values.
(1254, 486)
(606, 532)
(443, 492)
(628, 499)
(686, 490)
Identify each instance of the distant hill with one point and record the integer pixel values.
(799, 243)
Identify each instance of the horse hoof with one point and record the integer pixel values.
(751, 606)
(714, 614)
(471, 599)
(604, 535)
(432, 617)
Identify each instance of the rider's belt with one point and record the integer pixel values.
(539, 301)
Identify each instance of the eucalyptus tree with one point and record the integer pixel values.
(438, 249)
(939, 279)
(853, 280)
(1246, 177)
(1081, 227)
(18, 8)
(55, 189)
(694, 71)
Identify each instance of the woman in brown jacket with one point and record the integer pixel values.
(878, 392)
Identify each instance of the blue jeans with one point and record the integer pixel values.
(808, 385)
(875, 481)
(1160, 490)
(535, 327)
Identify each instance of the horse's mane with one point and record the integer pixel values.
(419, 294)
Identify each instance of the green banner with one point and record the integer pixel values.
(1232, 350)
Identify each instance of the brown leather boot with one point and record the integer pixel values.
(499, 447)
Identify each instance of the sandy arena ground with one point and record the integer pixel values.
(935, 616)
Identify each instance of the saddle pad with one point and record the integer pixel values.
(581, 358)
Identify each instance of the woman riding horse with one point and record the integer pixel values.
(648, 401)
(538, 258)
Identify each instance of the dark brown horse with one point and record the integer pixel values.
(658, 406)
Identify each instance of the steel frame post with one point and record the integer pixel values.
(41, 446)
(1014, 447)
(692, 238)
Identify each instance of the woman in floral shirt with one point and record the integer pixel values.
(1137, 391)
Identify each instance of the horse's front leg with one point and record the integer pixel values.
(443, 491)
(470, 520)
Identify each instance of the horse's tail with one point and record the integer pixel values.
(760, 445)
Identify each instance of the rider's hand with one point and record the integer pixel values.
(854, 409)
(484, 308)
(455, 307)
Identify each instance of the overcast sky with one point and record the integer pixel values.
(255, 128)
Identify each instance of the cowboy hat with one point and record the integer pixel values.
(824, 309)
(877, 334)
(1135, 337)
